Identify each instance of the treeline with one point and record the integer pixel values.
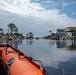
(12, 32)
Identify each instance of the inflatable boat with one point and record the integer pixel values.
(14, 62)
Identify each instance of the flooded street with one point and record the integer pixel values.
(58, 57)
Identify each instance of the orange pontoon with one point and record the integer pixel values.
(17, 63)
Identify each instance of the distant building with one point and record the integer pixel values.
(70, 29)
(61, 33)
(71, 32)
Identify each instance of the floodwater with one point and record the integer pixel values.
(58, 57)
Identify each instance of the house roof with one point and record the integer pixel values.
(60, 30)
(70, 29)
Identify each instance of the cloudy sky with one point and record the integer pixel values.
(37, 16)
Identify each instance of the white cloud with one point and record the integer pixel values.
(24, 7)
(42, 18)
(65, 4)
(49, 1)
(57, 57)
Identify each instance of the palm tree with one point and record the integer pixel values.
(31, 35)
(15, 29)
(11, 27)
(26, 36)
(50, 31)
(1, 32)
(21, 35)
(16, 32)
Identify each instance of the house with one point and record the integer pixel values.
(70, 29)
(71, 32)
(61, 33)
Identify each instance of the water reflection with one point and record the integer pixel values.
(54, 55)
(55, 61)
(71, 45)
(51, 43)
(68, 44)
(14, 43)
(61, 44)
(64, 68)
(1, 41)
(29, 41)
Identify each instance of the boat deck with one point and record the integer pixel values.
(2, 70)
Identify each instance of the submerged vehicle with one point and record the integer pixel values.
(14, 62)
